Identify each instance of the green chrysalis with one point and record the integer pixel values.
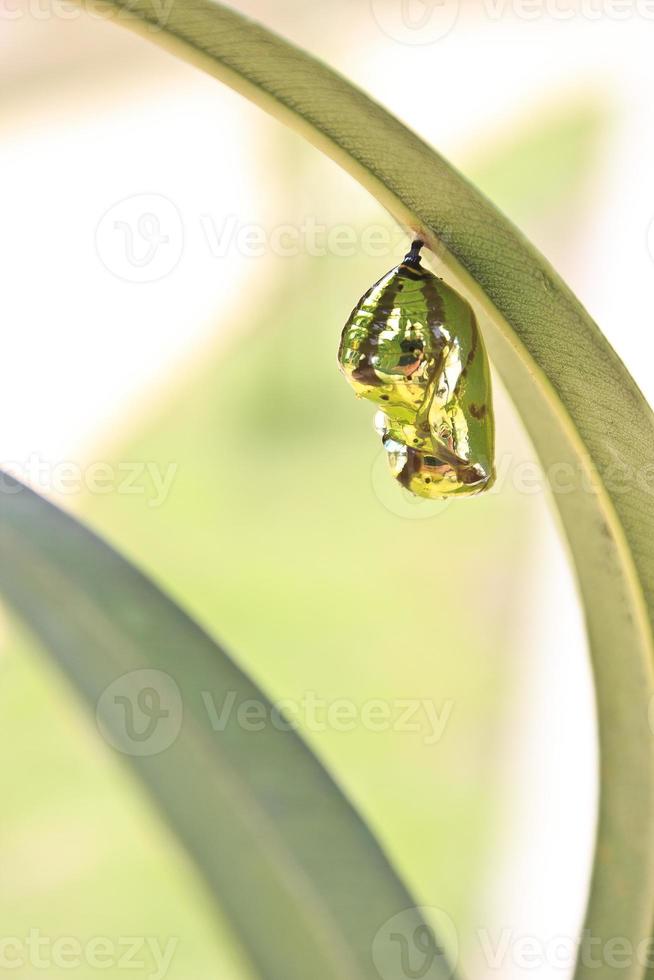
(412, 346)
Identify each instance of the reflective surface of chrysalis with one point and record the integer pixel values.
(412, 346)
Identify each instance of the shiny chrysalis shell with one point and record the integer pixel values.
(412, 346)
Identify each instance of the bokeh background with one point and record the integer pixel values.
(177, 270)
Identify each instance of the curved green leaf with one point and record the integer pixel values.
(582, 408)
(301, 878)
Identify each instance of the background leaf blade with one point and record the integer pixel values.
(303, 881)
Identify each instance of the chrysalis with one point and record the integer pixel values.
(412, 346)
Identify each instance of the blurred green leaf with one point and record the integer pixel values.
(304, 882)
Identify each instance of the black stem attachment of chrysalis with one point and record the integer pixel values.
(412, 257)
